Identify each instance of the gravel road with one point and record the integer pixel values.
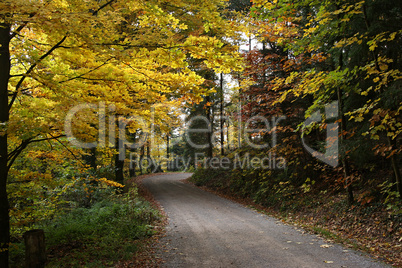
(205, 230)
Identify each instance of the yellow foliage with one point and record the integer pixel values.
(110, 183)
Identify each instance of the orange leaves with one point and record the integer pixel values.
(386, 150)
(277, 32)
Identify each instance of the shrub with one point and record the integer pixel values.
(102, 233)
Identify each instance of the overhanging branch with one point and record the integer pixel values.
(17, 87)
(17, 151)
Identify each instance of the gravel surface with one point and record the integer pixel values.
(205, 230)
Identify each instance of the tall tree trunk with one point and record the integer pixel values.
(345, 163)
(168, 146)
(222, 119)
(209, 133)
(395, 167)
(132, 165)
(90, 158)
(150, 165)
(132, 169)
(4, 117)
(240, 114)
(264, 54)
(118, 165)
(168, 167)
(142, 153)
(344, 160)
(227, 135)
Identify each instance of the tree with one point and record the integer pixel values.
(127, 54)
(349, 53)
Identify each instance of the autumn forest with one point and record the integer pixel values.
(293, 106)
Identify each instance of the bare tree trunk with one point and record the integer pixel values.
(118, 164)
(132, 169)
(150, 165)
(222, 119)
(132, 165)
(227, 135)
(209, 133)
(167, 146)
(4, 118)
(240, 115)
(142, 158)
(345, 164)
(395, 167)
(90, 159)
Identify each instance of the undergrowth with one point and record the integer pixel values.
(101, 235)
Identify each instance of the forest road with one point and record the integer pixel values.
(205, 230)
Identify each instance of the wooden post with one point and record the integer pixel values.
(35, 253)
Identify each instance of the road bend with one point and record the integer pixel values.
(205, 230)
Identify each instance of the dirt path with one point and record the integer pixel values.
(208, 231)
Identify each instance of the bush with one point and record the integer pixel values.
(102, 233)
(119, 218)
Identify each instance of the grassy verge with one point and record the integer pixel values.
(112, 232)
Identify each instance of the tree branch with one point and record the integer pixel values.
(65, 147)
(22, 26)
(15, 94)
(81, 75)
(102, 7)
(17, 151)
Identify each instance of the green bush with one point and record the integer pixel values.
(118, 217)
(102, 233)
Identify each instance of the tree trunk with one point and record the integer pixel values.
(209, 133)
(132, 170)
(132, 165)
(35, 251)
(222, 119)
(167, 146)
(142, 158)
(345, 164)
(4, 117)
(90, 159)
(118, 165)
(227, 135)
(344, 160)
(240, 115)
(395, 167)
(150, 165)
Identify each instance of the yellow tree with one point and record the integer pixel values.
(129, 54)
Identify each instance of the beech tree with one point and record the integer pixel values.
(120, 56)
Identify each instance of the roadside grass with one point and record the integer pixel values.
(106, 234)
